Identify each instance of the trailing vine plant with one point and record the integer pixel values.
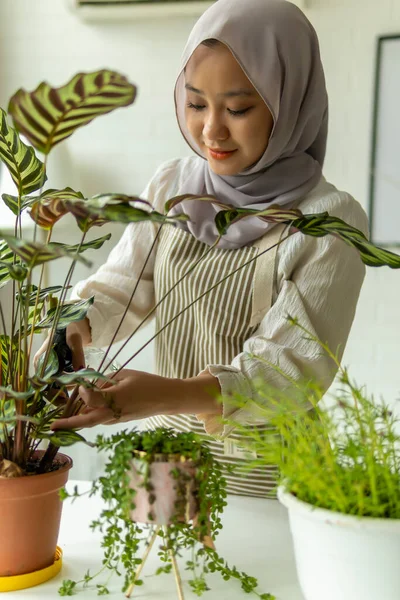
(124, 540)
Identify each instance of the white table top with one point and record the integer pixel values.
(255, 538)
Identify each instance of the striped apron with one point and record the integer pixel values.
(212, 331)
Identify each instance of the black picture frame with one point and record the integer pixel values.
(374, 204)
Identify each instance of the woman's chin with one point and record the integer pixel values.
(223, 167)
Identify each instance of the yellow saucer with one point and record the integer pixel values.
(27, 580)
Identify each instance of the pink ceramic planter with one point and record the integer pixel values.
(169, 498)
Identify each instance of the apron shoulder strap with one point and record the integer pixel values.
(265, 274)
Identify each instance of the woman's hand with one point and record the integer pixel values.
(77, 336)
(137, 395)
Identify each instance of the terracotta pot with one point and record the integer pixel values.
(169, 498)
(30, 514)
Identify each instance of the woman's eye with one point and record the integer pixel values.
(239, 113)
(195, 106)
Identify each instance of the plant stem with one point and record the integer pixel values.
(40, 192)
(60, 304)
(52, 449)
(202, 257)
(197, 300)
(130, 300)
(37, 299)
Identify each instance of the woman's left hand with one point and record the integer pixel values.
(137, 395)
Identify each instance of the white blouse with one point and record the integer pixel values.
(316, 280)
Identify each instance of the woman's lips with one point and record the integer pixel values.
(220, 154)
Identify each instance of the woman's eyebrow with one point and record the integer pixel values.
(230, 94)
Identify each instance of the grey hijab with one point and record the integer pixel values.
(277, 48)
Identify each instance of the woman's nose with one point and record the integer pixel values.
(215, 129)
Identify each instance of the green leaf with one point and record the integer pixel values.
(6, 256)
(63, 437)
(26, 170)
(68, 314)
(16, 272)
(5, 344)
(92, 245)
(119, 208)
(34, 254)
(52, 365)
(48, 208)
(49, 115)
(172, 202)
(323, 224)
(14, 204)
(43, 294)
(67, 588)
(273, 214)
(316, 225)
(81, 377)
(10, 393)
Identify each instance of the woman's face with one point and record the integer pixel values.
(224, 113)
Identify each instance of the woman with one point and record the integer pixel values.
(252, 104)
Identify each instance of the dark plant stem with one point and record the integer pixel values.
(40, 191)
(52, 449)
(202, 257)
(130, 300)
(60, 304)
(197, 300)
(37, 297)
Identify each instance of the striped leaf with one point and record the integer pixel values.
(323, 224)
(14, 204)
(26, 170)
(9, 270)
(43, 294)
(8, 392)
(32, 253)
(47, 116)
(316, 225)
(7, 257)
(173, 202)
(273, 214)
(117, 208)
(92, 245)
(8, 417)
(47, 209)
(69, 313)
(62, 438)
(16, 272)
(52, 365)
(5, 346)
(81, 377)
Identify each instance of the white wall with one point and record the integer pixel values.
(42, 40)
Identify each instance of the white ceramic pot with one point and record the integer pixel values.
(341, 557)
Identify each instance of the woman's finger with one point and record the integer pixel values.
(97, 416)
(97, 399)
(39, 353)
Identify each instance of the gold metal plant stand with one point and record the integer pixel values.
(174, 563)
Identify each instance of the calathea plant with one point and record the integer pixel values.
(29, 402)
